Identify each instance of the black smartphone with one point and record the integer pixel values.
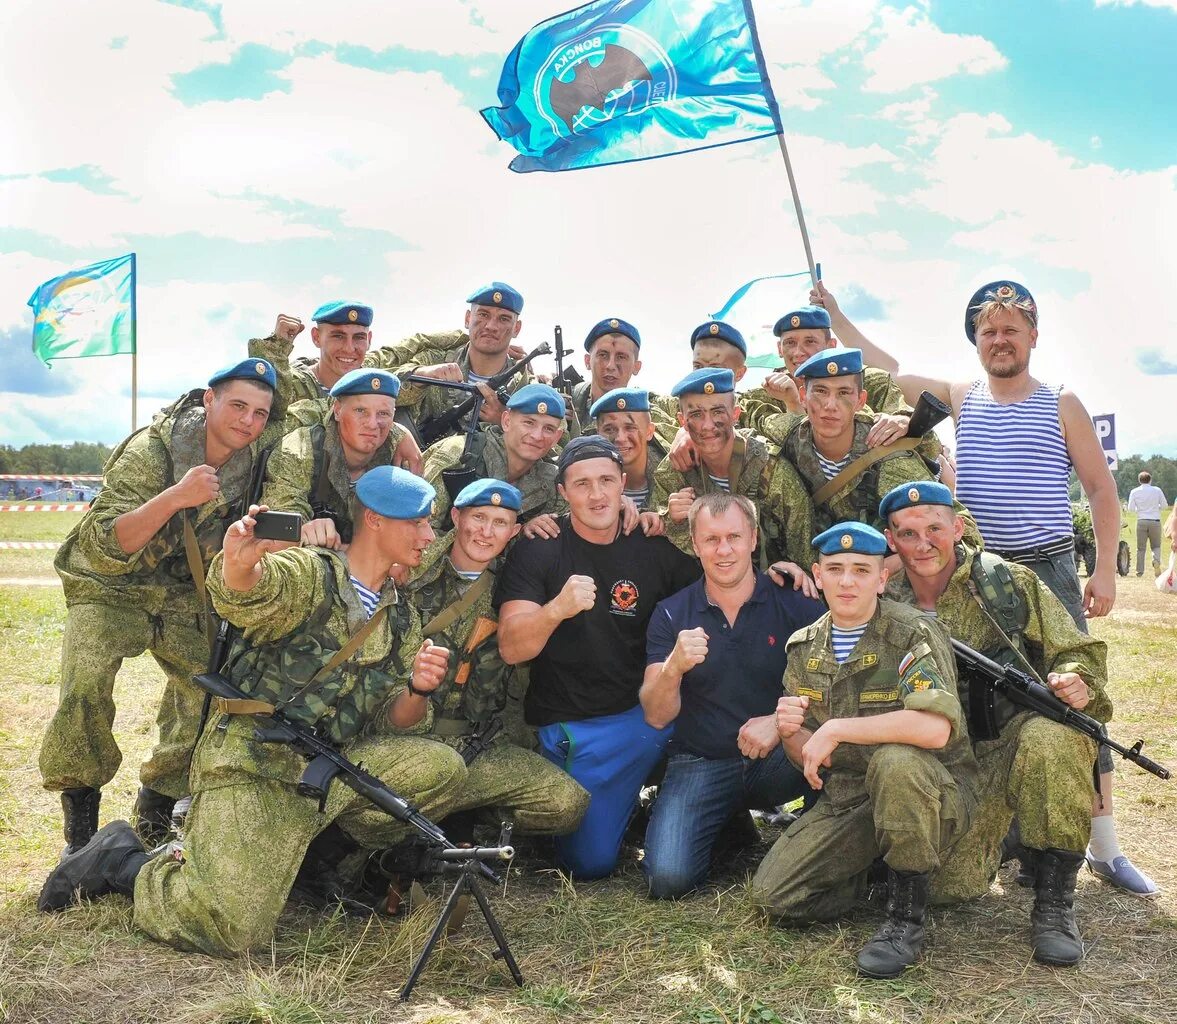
(279, 526)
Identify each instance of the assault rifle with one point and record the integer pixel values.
(986, 677)
(566, 376)
(444, 424)
(326, 765)
(929, 411)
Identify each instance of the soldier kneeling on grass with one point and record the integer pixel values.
(871, 715)
(248, 828)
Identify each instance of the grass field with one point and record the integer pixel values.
(590, 952)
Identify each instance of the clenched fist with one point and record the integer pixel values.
(690, 649)
(578, 595)
(790, 715)
(429, 666)
(679, 504)
(287, 328)
(199, 485)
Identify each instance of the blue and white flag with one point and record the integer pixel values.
(87, 312)
(621, 80)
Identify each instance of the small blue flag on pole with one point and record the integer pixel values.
(87, 312)
(622, 80)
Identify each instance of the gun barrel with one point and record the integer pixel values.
(456, 385)
(929, 411)
(477, 853)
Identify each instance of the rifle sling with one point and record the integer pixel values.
(196, 568)
(832, 488)
(448, 616)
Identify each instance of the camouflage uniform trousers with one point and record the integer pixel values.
(521, 786)
(1039, 771)
(913, 814)
(79, 748)
(246, 836)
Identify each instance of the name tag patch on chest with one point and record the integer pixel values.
(817, 696)
(878, 696)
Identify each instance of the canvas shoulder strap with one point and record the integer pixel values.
(448, 616)
(832, 488)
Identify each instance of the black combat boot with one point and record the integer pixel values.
(153, 816)
(896, 946)
(108, 863)
(1053, 932)
(80, 808)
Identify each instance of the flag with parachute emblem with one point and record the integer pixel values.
(621, 80)
(87, 312)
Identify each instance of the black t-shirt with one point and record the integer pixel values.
(742, 675)
(593, 663)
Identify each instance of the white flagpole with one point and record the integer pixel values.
(797, 207)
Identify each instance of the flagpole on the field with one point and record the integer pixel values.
(134, 348)
(797, 206)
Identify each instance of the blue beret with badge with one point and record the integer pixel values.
(395, 493)
(717, 330)
(915, 492)
(705, 381)
(256, 371)
(613, 325)
(831, 362)
(490, 492)
(621, 400)
(999, 291)
(807, 317)
(366, 382)
(539, 399)
(497, 293)
(341, 312)
(853, 537)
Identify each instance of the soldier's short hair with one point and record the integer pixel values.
(1145, 477)
(985, 311)
(718, 503)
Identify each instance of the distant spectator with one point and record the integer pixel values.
(1147, 501)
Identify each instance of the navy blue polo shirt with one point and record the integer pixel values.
(742, 675)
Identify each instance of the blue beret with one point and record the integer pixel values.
(831, 362)
(612, 326)
(395, 493)
(341, 312)
(366, 382)
(497, 293)
(621, 400)
(1001, 291)
(719, 331)
(489, 492)
(856, 537)
(800, 319)
(705, 381)
(917, 492)
(537, 398)
(257, 371)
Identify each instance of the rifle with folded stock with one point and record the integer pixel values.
(443, 424)
(326, 765)
(1024, 690)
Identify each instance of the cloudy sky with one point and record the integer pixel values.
(265, 156)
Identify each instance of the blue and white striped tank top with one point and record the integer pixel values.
(1012, 468)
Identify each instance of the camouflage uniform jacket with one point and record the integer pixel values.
(307, 473)
(538, 484)
(301, 612)
(756, 471)
(1050, 641)
(435, 586)
(769, 417)
(902, 662)
(860, 500)
(95, 569)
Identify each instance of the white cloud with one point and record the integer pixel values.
(1163, 4)
(913, 50)
(794, 86)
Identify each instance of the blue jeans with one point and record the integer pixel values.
(694, 802)
(609, 756)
